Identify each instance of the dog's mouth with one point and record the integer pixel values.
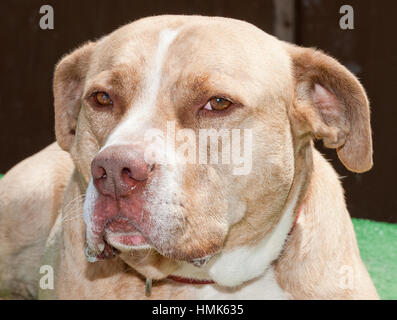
(121, 234)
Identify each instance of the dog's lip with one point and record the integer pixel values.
(122, 234)
(126, 241)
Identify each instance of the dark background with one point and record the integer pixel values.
(28, 56)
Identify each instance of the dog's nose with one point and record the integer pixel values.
(118, 170)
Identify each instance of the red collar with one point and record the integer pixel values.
(296, 219)
(204, 281)
(189, 280)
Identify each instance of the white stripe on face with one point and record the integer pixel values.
(143, 110)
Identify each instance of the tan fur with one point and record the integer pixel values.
(273, 85)
(31, 194)
(304, 269)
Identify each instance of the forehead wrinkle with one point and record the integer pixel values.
(114, 76)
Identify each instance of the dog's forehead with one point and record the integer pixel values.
(211, 44)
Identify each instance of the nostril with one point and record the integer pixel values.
(136, 173)
(103, 174)
(127, 172)
(151, 167)
(101, 182)
(99, 173)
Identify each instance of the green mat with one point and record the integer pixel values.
(378, 248)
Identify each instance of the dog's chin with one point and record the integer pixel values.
(132, 242)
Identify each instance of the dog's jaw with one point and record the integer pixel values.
(248, 262)
(234, 267)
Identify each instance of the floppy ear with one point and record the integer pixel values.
(331, 104)
(68, 88)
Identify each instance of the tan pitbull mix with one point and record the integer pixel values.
(109, 222)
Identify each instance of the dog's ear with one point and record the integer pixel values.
(68, 88)
(331, 104)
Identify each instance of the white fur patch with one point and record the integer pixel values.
(264, 288)
(91, 196)
(89, 203)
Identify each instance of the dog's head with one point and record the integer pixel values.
(141, 110)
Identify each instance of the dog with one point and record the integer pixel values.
(107, 221)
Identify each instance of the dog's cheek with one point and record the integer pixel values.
(84, 148)
(202, 220)
(199, 236)
(208, 215)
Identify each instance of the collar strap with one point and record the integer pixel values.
(190, 280)
(205, 281)
(296, 219)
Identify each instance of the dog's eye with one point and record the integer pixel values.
(217, 104)
(102, 99)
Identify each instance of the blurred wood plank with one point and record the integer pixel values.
(284, 19)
